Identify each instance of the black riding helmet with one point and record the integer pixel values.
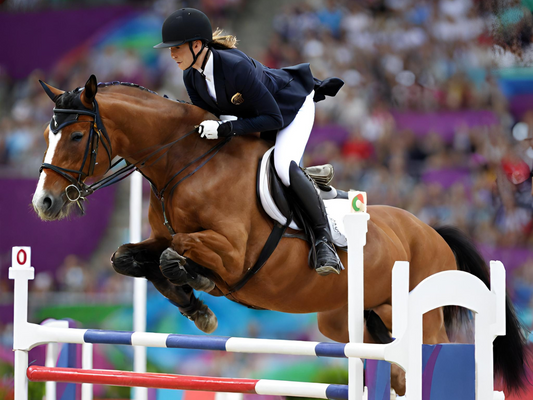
(185, 26)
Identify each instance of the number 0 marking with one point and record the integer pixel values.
(22, 255)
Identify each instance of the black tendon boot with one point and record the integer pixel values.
(327, 260)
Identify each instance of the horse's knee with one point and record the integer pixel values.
(123, 262)
(177, 270)
(172, 265)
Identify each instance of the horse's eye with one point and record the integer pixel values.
(76, 136)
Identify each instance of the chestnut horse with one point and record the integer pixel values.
(211, 230)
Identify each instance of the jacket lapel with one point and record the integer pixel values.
(220, 82)
(201, 88)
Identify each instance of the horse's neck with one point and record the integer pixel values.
(144, 127)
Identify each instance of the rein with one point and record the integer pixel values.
(214, 150)
(98, 133)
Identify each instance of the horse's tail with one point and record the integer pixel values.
(510, 351)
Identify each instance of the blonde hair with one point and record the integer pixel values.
(221, 41)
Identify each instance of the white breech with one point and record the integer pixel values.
(291, 141)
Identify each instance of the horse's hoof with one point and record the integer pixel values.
(172, 265)
(206, 320)
(170, 256)
(201, 283)
(397, 379)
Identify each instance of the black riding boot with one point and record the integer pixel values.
(305, 192)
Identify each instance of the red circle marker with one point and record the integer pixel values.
(24, 257)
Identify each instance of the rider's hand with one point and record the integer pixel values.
(209, 129)
(214, 129)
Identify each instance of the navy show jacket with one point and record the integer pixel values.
(271, 97)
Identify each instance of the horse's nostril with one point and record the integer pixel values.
(47, 203)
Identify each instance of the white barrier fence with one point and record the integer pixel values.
(442, 289)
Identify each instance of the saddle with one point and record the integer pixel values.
(275, 197)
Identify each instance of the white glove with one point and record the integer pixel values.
(225, 118)
(209, 129)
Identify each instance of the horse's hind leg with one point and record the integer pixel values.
(142, 260)
(434, 329)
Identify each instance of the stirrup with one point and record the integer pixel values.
(333, 266)
(321, 174)
(326, 270)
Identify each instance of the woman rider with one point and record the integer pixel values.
(225, 81)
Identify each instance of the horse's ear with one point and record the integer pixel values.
(51, 91)
(88, 94)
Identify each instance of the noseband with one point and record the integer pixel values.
(78, 190)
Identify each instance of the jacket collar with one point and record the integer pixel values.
(220, 83)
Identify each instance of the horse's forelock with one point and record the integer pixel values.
(68, 100)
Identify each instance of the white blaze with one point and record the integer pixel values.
(53, 140)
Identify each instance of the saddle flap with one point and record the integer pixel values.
(272, 197)
(277, 189)
(271, 191)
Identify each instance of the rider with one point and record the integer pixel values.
(226, 82)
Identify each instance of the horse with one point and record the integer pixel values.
(207, 229)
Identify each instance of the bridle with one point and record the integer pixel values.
(78, 190)
(97, 134)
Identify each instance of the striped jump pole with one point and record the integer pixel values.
(185, 382)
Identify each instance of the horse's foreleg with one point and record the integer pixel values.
(189, 305)
(137, 259)
(181, 271)
(194, 255)
(142, 260)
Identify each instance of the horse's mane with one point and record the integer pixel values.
(67, 99)
(135, 85)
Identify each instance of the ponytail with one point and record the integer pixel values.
(221, 41)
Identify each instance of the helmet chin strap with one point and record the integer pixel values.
(195, 56)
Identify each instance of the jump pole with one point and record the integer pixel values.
(184, 382)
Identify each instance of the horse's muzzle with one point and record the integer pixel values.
(48, 206)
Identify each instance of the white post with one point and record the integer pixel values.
(86, 363)
(52, 352)
(21, 380)
(139, 284)
(356, 227)
(21, 271)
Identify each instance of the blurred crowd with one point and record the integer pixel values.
(394, 56)
(419, 56)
